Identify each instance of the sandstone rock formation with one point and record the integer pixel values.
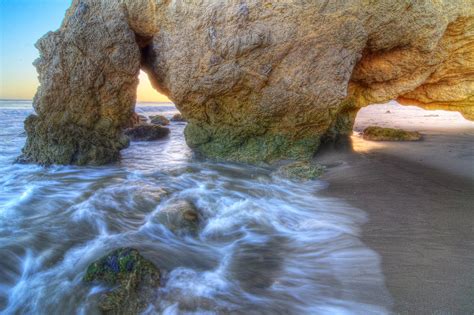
(256, 80)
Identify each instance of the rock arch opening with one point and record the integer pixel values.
(147, 93)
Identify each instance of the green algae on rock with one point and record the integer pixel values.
(301, 170)
(228, 144)
(52, 142)
(133, 278)
(389, 134)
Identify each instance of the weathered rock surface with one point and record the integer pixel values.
(180, 217)
(390, 134)
(178, 118)
(301, 170)
(133, 280)
(256, 80)
(159, 120)
(137, 120)
(146, 132)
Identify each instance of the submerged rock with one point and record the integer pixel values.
(256, 265)
(389, 134)
(147, 132)
(159, 120)
(302, 170)
(180, 217)
(133, 280)
(178, 118)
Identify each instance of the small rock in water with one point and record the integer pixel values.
(133, 278)
(302, 170)
(180, 217)
(159, 120)
(147, 132)
(183, 170)
(137, 120)
(388, 112)
(389, 134)
(178, 118)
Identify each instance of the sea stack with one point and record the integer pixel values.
(256, 80)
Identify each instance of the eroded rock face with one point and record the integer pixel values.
(88, 71)
(266, 80)
(256, 80)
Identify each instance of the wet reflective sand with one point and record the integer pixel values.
(419, 198)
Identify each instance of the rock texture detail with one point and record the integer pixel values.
(256, 80)
(88, 72)
(374, 133)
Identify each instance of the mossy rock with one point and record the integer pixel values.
(133, 278)
(52, 142)
(159, 120)
(302, 170)
(229, 144)
(389, 134)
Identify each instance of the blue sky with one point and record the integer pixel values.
(22, 23)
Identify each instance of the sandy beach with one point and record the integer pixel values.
(419, 197)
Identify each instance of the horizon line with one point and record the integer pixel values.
(31, 100)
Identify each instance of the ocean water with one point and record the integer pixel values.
(266, 245)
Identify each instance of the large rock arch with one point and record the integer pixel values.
(257, 80)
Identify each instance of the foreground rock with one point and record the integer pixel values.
(133, 280)
(180, 217)
(256, 80)
(147, 133)
(302, 170)
(389, 134)
(159, 120)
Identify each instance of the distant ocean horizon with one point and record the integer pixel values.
(27, 104)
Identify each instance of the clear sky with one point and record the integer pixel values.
(22, 23)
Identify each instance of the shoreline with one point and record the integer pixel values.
(417, 198)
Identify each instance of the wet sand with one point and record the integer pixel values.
(420, 200)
